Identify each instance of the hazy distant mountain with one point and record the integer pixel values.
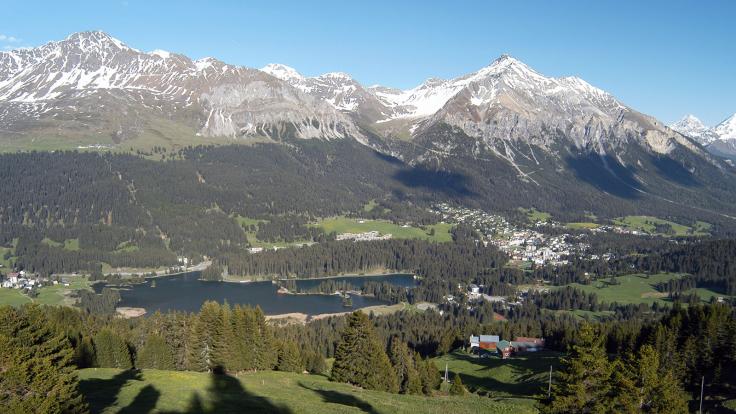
(720, 139)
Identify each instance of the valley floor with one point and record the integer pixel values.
(115, 391)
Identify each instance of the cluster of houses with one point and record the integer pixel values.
(485, 345)
(523, 244)
(23, 280)
(367, 236)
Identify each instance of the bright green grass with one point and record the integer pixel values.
(350, 225)
(112, 391)
(369, 206)
(636, 289)
(646, 225)
(535, 215)
(68, 244)
(246, 221)
(126, 246)
(59, 294)
(13, 297)
(521, 376)
(582, 226)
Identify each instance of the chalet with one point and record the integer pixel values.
(486, 342)
(474, 341)
(473, 288)
(526, 344)
(504, 349)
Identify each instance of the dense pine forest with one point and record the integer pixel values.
(604, 367)
(83, 211)
(131, 210)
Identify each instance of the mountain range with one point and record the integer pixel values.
(720, 139)
(503, 128)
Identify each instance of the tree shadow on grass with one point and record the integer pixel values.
(336, 397)
(144, 402)
(102, 393)
(226, 394)
(527, 370)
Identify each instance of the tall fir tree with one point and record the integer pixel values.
(404, 367)
(289, 358)
(36, 371)
(206, 338)
(111, 350)
(360, 358)
(584, 383)
(156, 354)
(457, 387)
(428, 374)
(650, 386)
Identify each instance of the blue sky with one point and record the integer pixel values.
(664, 58)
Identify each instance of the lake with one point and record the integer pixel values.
(185, 292)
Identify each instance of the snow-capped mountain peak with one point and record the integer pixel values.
(163, 54)
(282, 72)
(726, 130)
(692, 127)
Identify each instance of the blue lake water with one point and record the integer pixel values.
(186, 293)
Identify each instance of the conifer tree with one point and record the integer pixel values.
(650, 387)
(457, 387)
(264, 342)
(36, 371)
(205, 344)
(111, 350)
(289, 359)
(403, 363)
(360, 358)
(584, 382)
(156, 354)
(428, 374)
(84, 354)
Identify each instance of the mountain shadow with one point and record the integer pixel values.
(226, 394)
(449, 183)
(674, 171)
(336, 397)
(606, 174)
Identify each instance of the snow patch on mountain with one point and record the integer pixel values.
(726, 130)
(692, 127)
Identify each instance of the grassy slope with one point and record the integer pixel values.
(13, 297)
(636, 289)
(110, 390)
(351, 225)
(47, 295)
(522, 376)
(644, 223)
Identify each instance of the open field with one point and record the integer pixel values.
(351, 225)
(13, 297)
(636, 289)
(59, 294)
(523, 376)
(114, 391)
(68, 244)
(535, 215)
(648, 224)
(582, 226)
(47, 295)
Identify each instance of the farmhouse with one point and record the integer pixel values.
(493, 343)
(525, 344)
(504, 349)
